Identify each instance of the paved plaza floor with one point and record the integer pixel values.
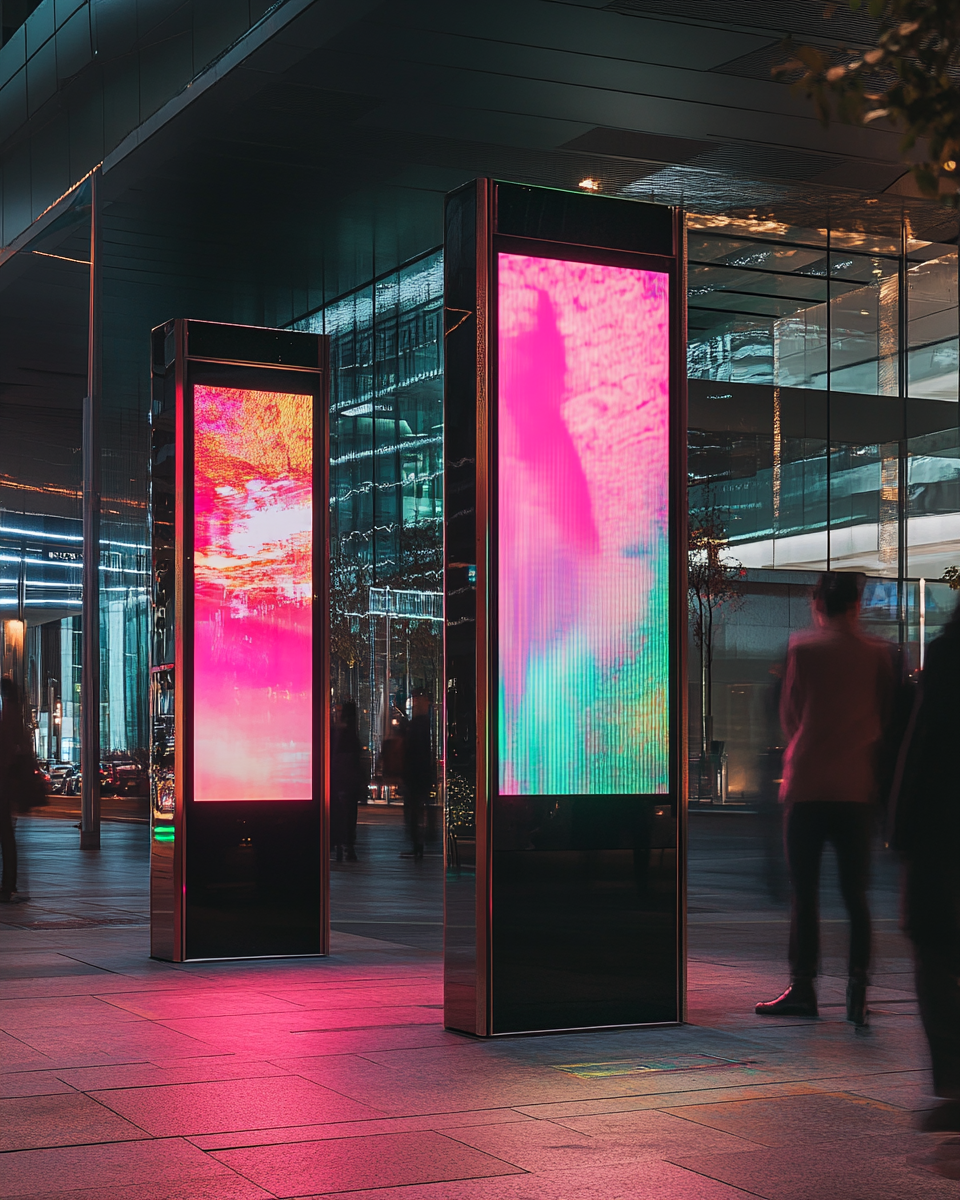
(127, 1079)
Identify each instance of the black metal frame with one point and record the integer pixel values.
(489, 244)
(311, 376)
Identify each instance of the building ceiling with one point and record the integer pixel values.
(321, 157)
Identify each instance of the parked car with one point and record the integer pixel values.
(64, 779)
(104, 780)
(123, 777)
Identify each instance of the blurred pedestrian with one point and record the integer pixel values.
(16, 754)
(837, 692)
(926, 832)
(419, 770)
(769, 812)
(347, 783)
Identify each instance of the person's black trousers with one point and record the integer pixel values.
(414, 809)
(847, 826)
(8, 848)
(937, 976)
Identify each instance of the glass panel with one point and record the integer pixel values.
(932, 356)
(40, 600)
(386, 486)
(863, 507)
(936, 603)
(758, 324)
(864, 324)
(750, 306)
(933, 501)
(756, 227)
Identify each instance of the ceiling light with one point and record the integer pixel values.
(589, 185)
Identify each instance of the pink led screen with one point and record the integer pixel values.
(253, 584)
(583, 508)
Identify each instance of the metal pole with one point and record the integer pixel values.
(90, 669)
(923, 620)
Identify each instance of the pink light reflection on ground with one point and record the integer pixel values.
(583, 552)
(253, 539)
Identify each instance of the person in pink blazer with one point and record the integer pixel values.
(837, 695)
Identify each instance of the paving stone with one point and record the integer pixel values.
(352, 1164)
(207, 1002)
(27, 1172)
(646, 1180)
(32, 1083)
(873, 1168)
(27, 1122)
(190, 1108)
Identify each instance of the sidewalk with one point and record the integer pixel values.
(127, 1079)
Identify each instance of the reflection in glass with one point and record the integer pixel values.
(386, 486)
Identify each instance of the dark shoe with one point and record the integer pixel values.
(799, 1000)
(352, 856)
(857, 1003)
(945, 1118)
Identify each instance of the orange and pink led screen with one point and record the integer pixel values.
(583, 592)
(253, 586)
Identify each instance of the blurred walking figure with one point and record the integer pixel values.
(926, 832)
(16, 749)
(419, 772)
(837, 692)
(769, 811)
(347, 783)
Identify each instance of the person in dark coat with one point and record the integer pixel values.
(346, 782)
(419, 771)
(926, 833)
(14, 743)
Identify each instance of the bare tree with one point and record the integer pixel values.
(713, 583)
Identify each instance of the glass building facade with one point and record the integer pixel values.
(823, 377)
(386, 479)
(40, 630)
(823, 434)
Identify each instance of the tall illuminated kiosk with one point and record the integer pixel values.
(564, 517)
(239, 701)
